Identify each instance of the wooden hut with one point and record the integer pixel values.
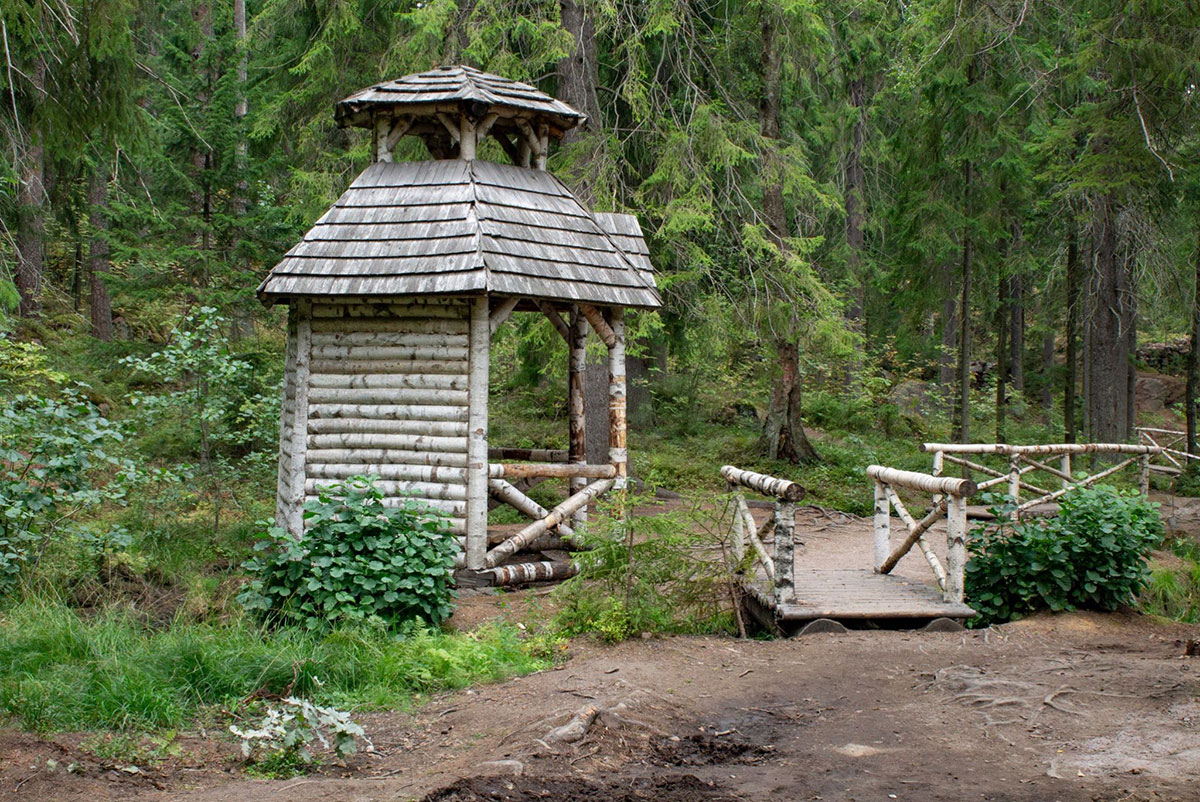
(395, 292)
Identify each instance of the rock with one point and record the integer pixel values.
(943, 625)
(823, 626)
(1155, 391)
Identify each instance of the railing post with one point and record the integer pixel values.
(785, 563)
(1065, 466)
(883, 525)
(956, 548)
(939, 462)
(1144, 475)
(739, 527)
(1014, 478)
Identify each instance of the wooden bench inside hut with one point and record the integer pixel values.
(395, 293)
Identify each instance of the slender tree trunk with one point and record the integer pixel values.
(1002, 315)
(1193, 371)
(98, 256)
(1074, 281)
(1047, 393)
(856, 216)
(242, 107)
(31, 213)
(962, 429)
(201, 155)
(785, 435)
(1016, 331)
(949, 329)
(578, 75)
(1129, 330)
(1108, 342)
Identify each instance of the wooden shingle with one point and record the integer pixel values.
(466, 227)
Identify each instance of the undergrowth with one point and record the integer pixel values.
(62, 671)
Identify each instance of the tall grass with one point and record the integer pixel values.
(59, 671)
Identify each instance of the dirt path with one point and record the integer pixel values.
(1080, 707)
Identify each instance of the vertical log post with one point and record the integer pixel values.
(299, 444)
(576, 364)
(1065, 467)
(883, 525)
(785, 562)
(477, 442)
(1014, 478)
(1144, 475)
(737, 528)
(939, 463)
(956, 548)
(618, 453)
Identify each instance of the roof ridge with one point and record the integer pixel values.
(473, 212)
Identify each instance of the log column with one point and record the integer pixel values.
(299, 443)
(479, 344)
(576, 365)
(618, 453)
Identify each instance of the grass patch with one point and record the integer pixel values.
(60, 671)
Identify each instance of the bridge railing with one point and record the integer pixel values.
(949, 502)
(1027, 459)
(1173, 458)
(778, 563)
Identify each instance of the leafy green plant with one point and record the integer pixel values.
(52, 453)
(1091, 555)
(670, 572)
(358, 561)
(285, 734)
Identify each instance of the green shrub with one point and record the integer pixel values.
(1091, 555)
(674, 572)
(358, 561)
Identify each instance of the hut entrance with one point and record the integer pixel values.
(394, 295)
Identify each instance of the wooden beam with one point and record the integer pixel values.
(552, 471)
(922, 481)
(618, 451)
(555, 320)
(785, 558)
(576, 415)
(538, 528)
(508, 147)
(513, 497)
(299, 441)
(501, 313)
(761, 482)
(477, 428)
(599, 324)
(451, 126)
(522, 573)
(399, 128)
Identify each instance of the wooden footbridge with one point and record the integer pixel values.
(785, 591)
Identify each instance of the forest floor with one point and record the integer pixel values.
(1067, 707)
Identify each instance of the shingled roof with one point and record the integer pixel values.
(453, 85)
(466, 227)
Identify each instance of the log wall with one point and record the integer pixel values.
(387, 395)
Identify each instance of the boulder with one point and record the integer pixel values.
(914, 399)
(1155, 391)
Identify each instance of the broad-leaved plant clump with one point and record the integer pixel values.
(357, 561)
(1092, 555)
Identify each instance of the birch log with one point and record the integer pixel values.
(577, 421)
(397, 411)
(956, 549)
(921, 481)
(522, 573)
(299, 443)
(538, 528)
(551, 471)
(503, 491)
(477, 448)
(555, 319)
(601, 326)
(883, 526)
(761, 482)
(618, 453)
(785, 558)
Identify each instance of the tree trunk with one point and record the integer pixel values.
(855, 217)
(949, 329)
(785, 435)
(1002, 319)
(242, 106)
(962, 427)
(201, 155)
(1108, 342)
(1047, 394)
(578, 75)
(1016, 332)
(1074, 282)
(1193, 371)
(98, 256)
(31, 213)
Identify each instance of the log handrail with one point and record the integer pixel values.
(949, 500)
(551, 470)
(780, 566)
(1009, 449)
